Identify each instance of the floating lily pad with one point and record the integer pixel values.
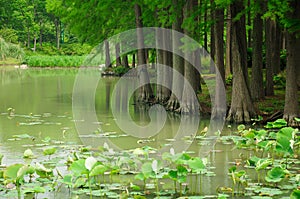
(23, 136)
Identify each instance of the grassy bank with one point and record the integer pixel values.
(54, 61)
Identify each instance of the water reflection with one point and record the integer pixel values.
(36, 92)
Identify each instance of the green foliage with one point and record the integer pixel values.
(54, 61)
(279, 80)
(275, 175)
(72, 49)
(9, 35)
(120, 70)
(295, 194)
(10, 50)
(276, 124)
(285, 140)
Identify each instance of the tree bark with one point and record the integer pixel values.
(249, 25)
(276, 38)
(178, 63)
(125, 61)
(159, 60)
(57, 30)
(107, 55)
(41, 34)
(28, 37)
(118, 58)
(257, 91)
(34, 43)
(133, 60)
(219, 109)
(228, 61)
(205, 22)
(167, 73)
(190, 104)
(145, 91)
(212, 39)
(242, 109)
(269, 68)
(291, 107)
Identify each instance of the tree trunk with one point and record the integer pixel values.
(228, 61)
(291, 107)
(57, 30)
(167, 73)
(145, 91)
(212, 39)
(133, 60)
(190, 104)
(178, 63)
(276, 39)
(269, 68)
(34, 43)
(41, 34)
(160, 70)
(257, 91)
(28, 37)
(219, 109)
(107, 55)
(118, 58)
(125, 61)
(242, 109)
(249, 24)
(205, 22)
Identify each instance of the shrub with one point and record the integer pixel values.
(54, 61)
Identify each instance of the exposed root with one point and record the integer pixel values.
(172, 104)
(291, 120)
(239, 116)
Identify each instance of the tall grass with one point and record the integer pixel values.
(9, 50)
(54, 61)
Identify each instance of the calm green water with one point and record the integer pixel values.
(41, 100)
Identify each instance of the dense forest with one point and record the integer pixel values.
(250, 41)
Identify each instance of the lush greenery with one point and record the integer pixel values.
(54, 61)
(99, 172)
(9, 50)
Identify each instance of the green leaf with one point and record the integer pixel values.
(67, 180)
(283, 140)
(241, 127)
(78, 167)
(276, 124)
(275, 175)
(140, 176)
(147, 169)
(181, 170)
(196, 164)
(232, 169)
(23, 136)
(173, 174)
(262, 164)
(42, 171)
(295, 194)
(80, 182)
(49, 151)
(21, 172)
(39, 190)
(28, 153)
(11, 172)
(98, 170)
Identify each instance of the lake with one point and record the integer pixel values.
(36, 106)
